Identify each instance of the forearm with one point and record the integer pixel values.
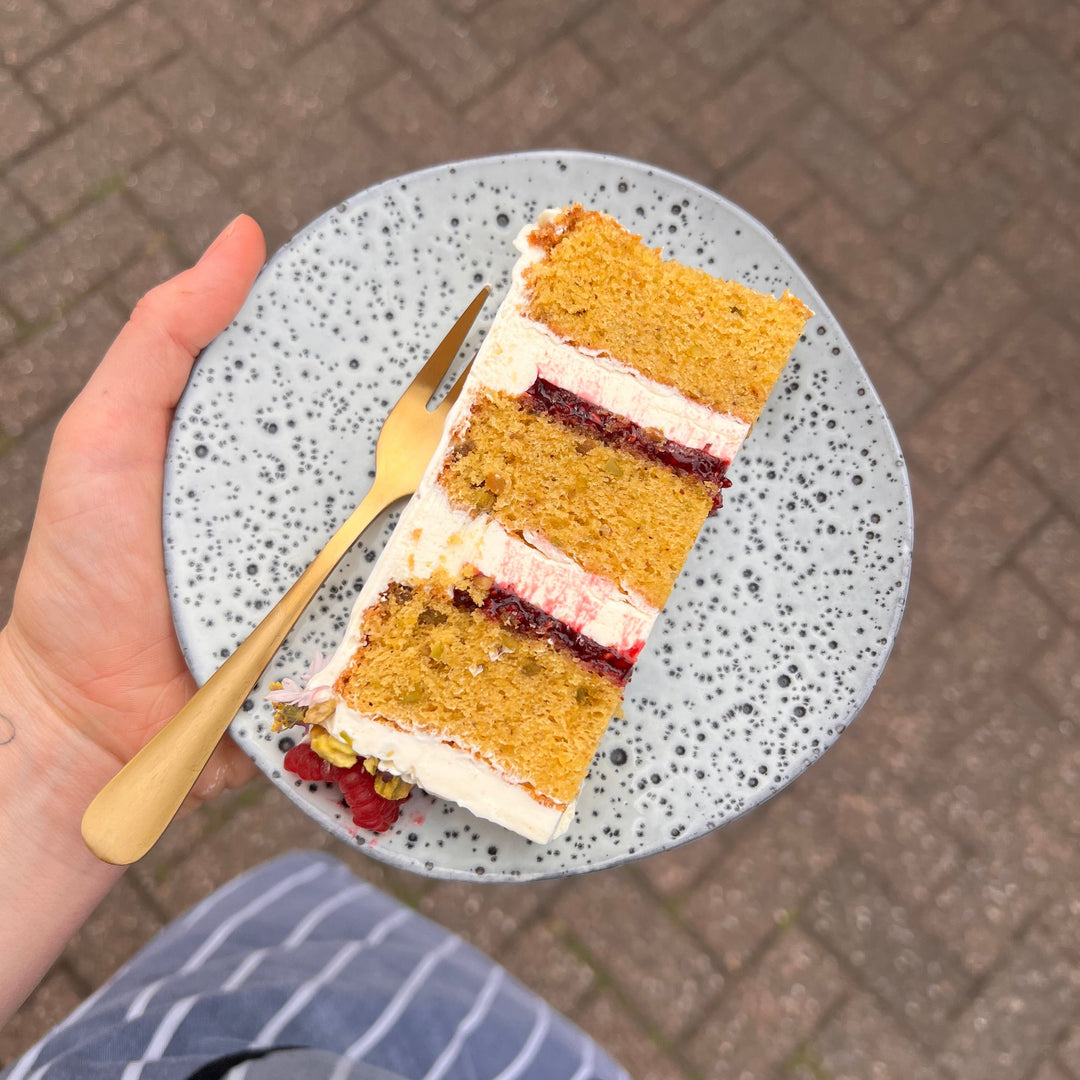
(49, 881)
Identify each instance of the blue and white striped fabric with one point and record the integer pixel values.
(299, 954)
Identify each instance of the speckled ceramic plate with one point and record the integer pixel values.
(784, 614)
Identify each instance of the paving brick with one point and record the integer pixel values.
(26, 27)
(57, 994)
(947, 127)
(669, 14)
(231, 37)
(659, 967)
(122, 924)
(983, 788)
(1002, 631)
(771, 185)
(967, 422)
(17, 221)
(607, 1020)
(951, 222)
(80, 11)
(515, 29)
(845, 75)
(614, 122)
(1030, 78)
(540, 958)
(823, 234)
(1053, 559)
(862, 1043)
(898, 839)
(544, 91)
(669, 81)
(230, 132)
(871, 20)
(940, 41)
(41, 377)
(20, 479)
(1015, 1020)
(1048, 1070)
(157, 264)
(731, 32)
(404, 110)
(760, 883)
(1048, 258)
(181, 195)
(1069, 1051)
(106, 57)
(489, 916)
(1056, 788)
(10, 564)
(769, 1012)
(743, 115)
(73, 258)
(438, 44)
(984, 525)
(305, 177)
(672, 873)
(1054, 25)
(908, 970)
(94, 156)
(302, 21)
(1030, 158)
(349, 61)
(965, 319)
(979, 909)
(852, 166)
(1048, 444)
(1058, 674)
(22, 120)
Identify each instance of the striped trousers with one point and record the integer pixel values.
(299, 971)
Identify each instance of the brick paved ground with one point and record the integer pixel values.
(911, 907)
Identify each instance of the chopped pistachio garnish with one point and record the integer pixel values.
(332, 749)
(391, 787)
(321, 711)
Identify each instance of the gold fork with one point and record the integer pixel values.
(131, 812)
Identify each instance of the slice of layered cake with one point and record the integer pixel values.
(489, 648)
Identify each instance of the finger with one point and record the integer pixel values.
(229, 767)
(150, 361)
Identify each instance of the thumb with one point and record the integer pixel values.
(148, 364)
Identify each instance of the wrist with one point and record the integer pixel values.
(48, 775)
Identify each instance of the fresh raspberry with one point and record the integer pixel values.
(305, 763)
(370, 809)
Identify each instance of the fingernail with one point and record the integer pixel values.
(222, 236)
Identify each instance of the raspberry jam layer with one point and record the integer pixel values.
(525, 618)
(620, 433)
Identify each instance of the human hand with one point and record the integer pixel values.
(90, 648)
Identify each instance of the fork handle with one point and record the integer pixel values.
(130, 813)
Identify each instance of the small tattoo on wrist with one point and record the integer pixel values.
(7, 730)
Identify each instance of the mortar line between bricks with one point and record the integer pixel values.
(1036, 481)
(734, 979)
(65, 129)
(542, 911)
(665, 1045)
(75, 32)
(1034, 585)
(147, 899)
(856, 975)
(826, 1018)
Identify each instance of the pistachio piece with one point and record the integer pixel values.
(332, 749)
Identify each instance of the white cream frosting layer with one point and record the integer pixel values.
(432, 535)
(518, 350)
(442, 769)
